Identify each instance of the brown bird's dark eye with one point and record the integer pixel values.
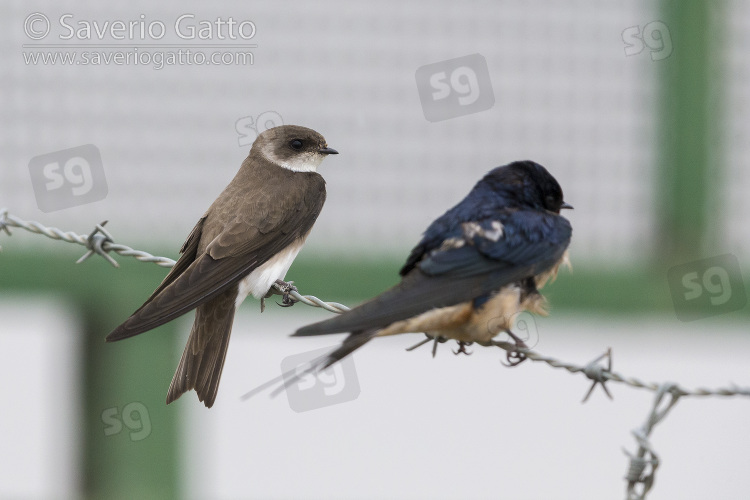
(296, 144)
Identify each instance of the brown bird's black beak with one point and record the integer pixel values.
(328, 151)
(566, 205)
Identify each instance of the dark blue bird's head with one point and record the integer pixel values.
(528, 184)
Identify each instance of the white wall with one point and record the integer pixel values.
(40, 419)
(468, 427)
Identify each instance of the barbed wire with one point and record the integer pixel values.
(100, 242)
(642, 464)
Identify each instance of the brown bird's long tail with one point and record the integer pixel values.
(203, 359)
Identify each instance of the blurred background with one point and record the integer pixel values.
(639, 109)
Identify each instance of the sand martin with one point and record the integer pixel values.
(242, 245)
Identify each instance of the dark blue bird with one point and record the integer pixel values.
(475, 268)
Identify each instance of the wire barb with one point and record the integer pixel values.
(596, 372)
(4, 221)
(95, 243)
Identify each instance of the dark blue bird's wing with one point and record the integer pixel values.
(514, 238)
(472, 259)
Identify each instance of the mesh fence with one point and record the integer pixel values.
(565, 94)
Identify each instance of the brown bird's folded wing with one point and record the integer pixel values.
(253, 234)
(188, 253)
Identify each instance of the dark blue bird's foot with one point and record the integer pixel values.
(515, 357)
(428, 339)
(462, 348)
(438, 340)
(420, 344)
(285, 289)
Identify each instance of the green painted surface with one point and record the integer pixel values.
(689, 163)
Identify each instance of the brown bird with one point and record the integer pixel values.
(244, 243)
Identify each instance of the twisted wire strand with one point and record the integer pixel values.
(600, 375)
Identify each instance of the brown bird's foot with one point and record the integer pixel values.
(286, 288)
(462, 348)
(515, 357)
(271, 292)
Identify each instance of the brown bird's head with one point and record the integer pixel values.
(293, 147)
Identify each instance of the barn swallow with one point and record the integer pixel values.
(476, 267)
(243, 245)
